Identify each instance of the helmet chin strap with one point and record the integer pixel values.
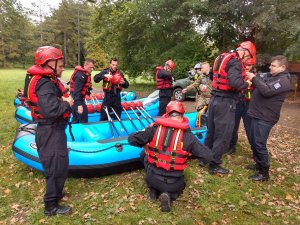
(53, 69)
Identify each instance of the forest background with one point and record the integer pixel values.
(144, 33)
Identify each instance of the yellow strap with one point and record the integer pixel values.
(176, 140)
(219, 71)
(158, 136)
(28, 88)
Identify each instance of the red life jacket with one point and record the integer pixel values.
(162, 83)
(35, 73)
(166, 148)
(107, 84)
(88, 83)
(220, 76)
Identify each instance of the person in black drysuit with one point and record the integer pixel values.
(168, 184)
(242, 106)
(51, 110)
(264, 112)
(227, 82)
(80, 85)
(164, 83)
(111, 89)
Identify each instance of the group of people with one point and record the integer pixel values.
(231, 93)
(168, 141)
(81, 85)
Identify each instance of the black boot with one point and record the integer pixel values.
(217, 170)
(58, 210)
(259, 177)
(165, 202)
(152, 194)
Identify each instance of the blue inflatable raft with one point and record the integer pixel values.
(99, 148)
(150, 107)
(125, 96)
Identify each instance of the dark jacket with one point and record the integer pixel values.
(234, 70)
(100, 76)
(163, 74)
(51, 107)
(190, 144)
(268, 96)
(79, 81)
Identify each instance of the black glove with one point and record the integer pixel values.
(89, 91)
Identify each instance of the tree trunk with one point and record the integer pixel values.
(78, 37)
(65, 49)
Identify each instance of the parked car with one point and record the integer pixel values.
(181, 84)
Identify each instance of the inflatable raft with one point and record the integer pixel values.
(98, 149)
(94, 98)
(136, 109)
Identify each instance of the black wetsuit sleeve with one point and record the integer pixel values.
(163, 74)
(193, 146)
(142, 138)
(234, 70)
(79, 82)
(100, 76)
(50, 106)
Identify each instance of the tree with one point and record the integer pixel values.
(145, 33)
(16, 38)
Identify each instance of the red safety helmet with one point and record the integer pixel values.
(171, 64)
(251, 61)
(175, 106)
(46, 53)
(116, 79)
(249, 46)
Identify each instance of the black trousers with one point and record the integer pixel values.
(51, 143)
(240, 113)
(174, 186)
(114, 101)
(79, 118)
(220, 123)
(163, 102)
(259, 133)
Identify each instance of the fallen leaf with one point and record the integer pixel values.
(289, 197)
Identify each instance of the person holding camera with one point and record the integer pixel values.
(80, 86)
(202, 84)
(113, 82)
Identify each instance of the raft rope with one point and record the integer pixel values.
(27, 129)
(117, 145)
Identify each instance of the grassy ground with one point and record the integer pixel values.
(122, 198)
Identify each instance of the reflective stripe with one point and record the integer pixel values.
(158, 136)
(229, 55)
(176, 140)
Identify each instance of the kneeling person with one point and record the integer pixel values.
(169, 143)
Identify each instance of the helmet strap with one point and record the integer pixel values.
(53, 69)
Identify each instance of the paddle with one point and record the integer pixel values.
(132, 105)
(142, 114)
(119, 120)
(141, 106)
(125, 104)
(112, 125)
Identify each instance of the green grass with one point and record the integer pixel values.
(123, 199)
